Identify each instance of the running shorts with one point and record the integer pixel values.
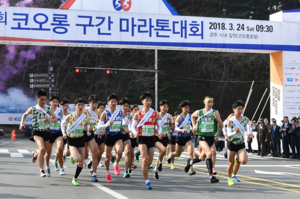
(148, 141)
(112, 139)
(125, 137)
(164, 140)
(89, 138)
(77, 142)
(181, 141)
(43, 134)
(208, 139)
(235, 148)
(54, 136)
(133, 142)
(100, 139)
(173, 140)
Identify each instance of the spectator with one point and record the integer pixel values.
(266, 122)
(298, 137)
(253, 124)
(293, 134)
(285, 128)
(263, 137)
(282, 142)
(257, 137)
(275, 139)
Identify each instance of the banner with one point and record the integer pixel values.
(37, 26)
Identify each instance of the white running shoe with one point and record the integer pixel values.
(62, 172)
(64, 158)
(48, 172)
(33, 159)
(84, 164)
(101, 164)
(164, 159)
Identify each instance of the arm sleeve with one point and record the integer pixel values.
(230, 133)
(101, 125)
(249, 129)
(125, 121)
(159, 129)
(62, 126)
(224, 128)
(134, 123)
(177, 127)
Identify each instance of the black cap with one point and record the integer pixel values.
(254, 121)
(261, 121)
(282, 120)
(274, 120)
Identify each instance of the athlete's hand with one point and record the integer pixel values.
(217, 115)
(21, 127)
(195, 129)
(131, 135)
(226, 137)
(237, 130)
(90, 129)
(103, 132)
(110, 123)
(252, 136)
(184, 131)
(160, 136)
(217, 139)
(65, 137)
(173, 119)
(47, 120)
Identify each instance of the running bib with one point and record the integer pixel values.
(187, 127)
(55, 126)
(116, 127)
(42, 124)
(78, 131)
(148, 130)
(165, 129)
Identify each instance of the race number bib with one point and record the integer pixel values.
(165, 129)
(42, 124)
(148, 130)
(54, 126)
(116, 126)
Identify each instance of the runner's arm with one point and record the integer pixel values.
(249, 129)
(218, 118)
(230, 133)
(64, 123)
(29, 111)
(54, 118)
(172, 124)
(224, 128)
(195, 115)
(101, 124)
(134, 123)
(178, 120)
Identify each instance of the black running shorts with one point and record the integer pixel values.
(209, 140)
(100, 139)
(181, 141)
(125, 137)
(133, 142)
(54, 136)
(77, 142)
(235, 148)
(43, 134)
(164, 140)
(112, 139)
(148, 141)
(89, 138)
(173, 140)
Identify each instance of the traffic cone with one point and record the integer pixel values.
(13, 135)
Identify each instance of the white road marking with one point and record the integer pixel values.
(275, 173)
(109, 191)
(23, 151)
(16, 155)
(4, 151)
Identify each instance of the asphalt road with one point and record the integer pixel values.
(261, 178)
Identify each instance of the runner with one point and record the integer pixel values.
(93, 114)
(162, 142)
(100, 140)
(183, 127)
(64, 105)
(55, 136)
(236, 132)
(112, 121)
(172, 142)
(79, 125)
(133, 139)
(147, 119)
(41, 115)
(206, 127)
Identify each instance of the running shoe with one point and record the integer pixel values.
(126, 175)
(42, 173)
(72, 160)
(148, 185)
(84, 163)
(159, 168)
(150, 167)
(137, 159)
(91, 172)
(62, 172)
(235, 179)
(178, 158)
(94, 178)
(130, 172)
(48, 172)
(74, 182)
(155, 174)
(120, 162)
(165, 159)
(172, 167)
(196, 151)
(213, 179)
(64, 158)
(101, 164)
(108, 178)
(112, 159)
(215, 172)
(33, 159)
(188, 166)
(134, 166)
(117, 169)
(225, 155)
(89, 165)
(230, 182)
(191, 172)
(56, 166)
(169, 158)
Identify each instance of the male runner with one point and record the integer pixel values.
(162, 143)
(64, 105)
(112, 120)
(236, 131)
(206, 127)
(172, 138)
(79, 125)
(183, 127)
(41, 115)
(55, 136)
(93, 114)
(133, 139)
(99, 139)
(145, 120)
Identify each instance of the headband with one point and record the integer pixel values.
(209, 99)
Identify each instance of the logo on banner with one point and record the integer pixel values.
(10, 119)
(122, 4)
(290, 79)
